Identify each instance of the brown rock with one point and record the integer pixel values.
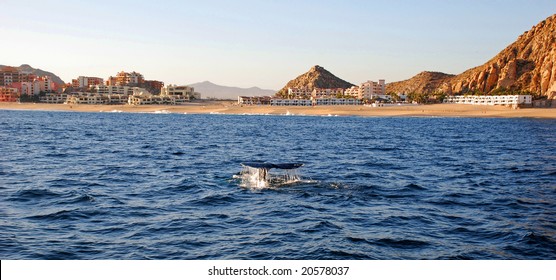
(528, 64)
(316, 77)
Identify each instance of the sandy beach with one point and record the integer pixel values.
(230, 107)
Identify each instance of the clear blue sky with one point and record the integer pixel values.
(260, 43)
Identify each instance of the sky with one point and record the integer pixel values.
(262, 43)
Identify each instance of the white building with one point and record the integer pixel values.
(150, 99)
(182, 92)
(314, 102)
(54, 98)
(327, 93)
(508, 100)
(291, 102)
(352, 92)
(254, 100)
(337, 101)
(126, 90)
(370, 90)
(38, 85)
(299, 93)
(85, 82)
(85, 98)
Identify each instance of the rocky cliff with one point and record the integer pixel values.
(528, 64)
(316, 77)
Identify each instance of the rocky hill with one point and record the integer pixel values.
(528, 64)
(424, 82)
(316, 77)
(211, 90)
(38, 72)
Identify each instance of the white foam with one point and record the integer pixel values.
(252, 178)
(162, 112)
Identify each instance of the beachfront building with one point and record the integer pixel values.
(170, 95)
(85, 98)
(86, 82)
(96, 98)
(291, 102)
(180, 94)
(150, 99)
(125, 90)
(254, 100)
(329, 96)
(135, 79)
(336, 101)
(506, 100)
(8, 94)
(352, 92)
(125, 79)
(372, 90)
(315, 102)
(54, 98)
(36, 86)
(318, 93)
(299, 93)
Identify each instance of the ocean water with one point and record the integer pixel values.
(165, 186)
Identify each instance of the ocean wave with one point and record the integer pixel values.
(161, 112)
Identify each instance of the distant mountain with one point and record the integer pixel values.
(316, 77)
(528, 64)
(26, 68)
(210, 90)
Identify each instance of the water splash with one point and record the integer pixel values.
(260, 178)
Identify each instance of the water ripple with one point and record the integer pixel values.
(162, 186)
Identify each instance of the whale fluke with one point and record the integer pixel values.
(268, 165)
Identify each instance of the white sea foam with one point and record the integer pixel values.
(162, 112)
(253, 178)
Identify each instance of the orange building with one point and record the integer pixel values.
(86, 82)
(8, 94)
(126, 79)
(9, 75)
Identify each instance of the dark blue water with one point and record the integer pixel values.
(146, 186)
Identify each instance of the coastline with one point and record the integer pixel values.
(232, 108)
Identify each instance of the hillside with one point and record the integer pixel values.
(38, 72)
(316, 77)
(424, 82)
(210, 90)
(528, 64)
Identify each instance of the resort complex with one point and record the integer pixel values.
(133, 89)
(304, 96)
(506, 100)
(123, 88)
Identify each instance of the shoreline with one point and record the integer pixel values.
(232, 108)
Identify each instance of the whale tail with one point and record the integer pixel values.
(256, 174)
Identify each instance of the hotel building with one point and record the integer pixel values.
(125, 79)
(9, 75)
(86, 82)
(370, 90)
(8, 94)
(508, 100)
